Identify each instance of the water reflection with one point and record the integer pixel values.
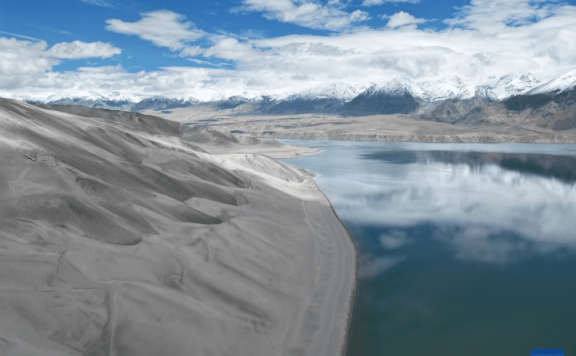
(458, 244)
(544, 165)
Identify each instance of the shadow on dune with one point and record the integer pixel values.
(93, 175)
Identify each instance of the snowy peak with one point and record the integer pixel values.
(396, 87)
(115, 101)
(563, 83)
(428, 90)
(446, 89)
(335, 91)
(507, 86)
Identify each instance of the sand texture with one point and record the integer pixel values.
(125, 234)
(496, 128)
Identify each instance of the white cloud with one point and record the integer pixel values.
(98, 2)
(21, 61)
(402, 18)
(78, 49)
(370, 268)
(232, 49)
(306, 13)
(540, 39)
(495, 15)
(23, 57)
(380, 2)
(395, 239)
(163, 28)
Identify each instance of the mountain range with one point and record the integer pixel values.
(452, 100)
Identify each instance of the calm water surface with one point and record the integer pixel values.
(464, 249)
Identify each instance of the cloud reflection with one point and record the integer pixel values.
(370, 267)
(497, 207)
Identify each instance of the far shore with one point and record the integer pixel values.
(397, 127)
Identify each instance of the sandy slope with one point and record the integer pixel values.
(120, 237)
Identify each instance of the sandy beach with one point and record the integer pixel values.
(126, 234)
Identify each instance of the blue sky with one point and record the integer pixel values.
(229, 47)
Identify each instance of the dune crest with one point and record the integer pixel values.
(127, 234)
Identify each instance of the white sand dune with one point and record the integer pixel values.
(119, 235)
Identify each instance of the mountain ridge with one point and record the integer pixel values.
(450, 99)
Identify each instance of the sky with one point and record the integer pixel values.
(213, 49)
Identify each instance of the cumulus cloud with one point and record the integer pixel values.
(543, 47)
(306, 13)
(402, 18)
(21, 60)
(495, 15)
(231, 48)
(380, 2)
(163, 28)
(533, 36)
(23, 57)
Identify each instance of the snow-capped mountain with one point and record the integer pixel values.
(455, 88)
(396, 87)
(395, 97)
(100, 103)
(446, 89)
(334, 91)
(507, 86)
(162, 103)
(442, 97)
(119, 102)
(561, 84)
(432, 90)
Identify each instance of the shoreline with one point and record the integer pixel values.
(353, 295)
(313, 208)
(393, 127)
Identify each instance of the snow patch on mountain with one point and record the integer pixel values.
(456, 88)
(563, 83)
(335, 91)
(507, 86)
(396, 87)
(446, 89)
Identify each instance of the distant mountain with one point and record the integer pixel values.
(333, 91)
(102, 103)
(231, 102)
(396, 97)
(322, 99)
(451, 100)
(549, 105)
(507, 86)
(162, 103)
(558, 85)
(445, 89)
(117, 102)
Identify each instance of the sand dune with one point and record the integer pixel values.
(120, 234)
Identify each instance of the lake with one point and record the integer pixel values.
(464, 249)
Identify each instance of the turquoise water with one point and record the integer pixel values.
(464, 249)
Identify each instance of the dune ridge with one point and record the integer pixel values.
(127, 234)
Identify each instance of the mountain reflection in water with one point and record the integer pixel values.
(464, 249)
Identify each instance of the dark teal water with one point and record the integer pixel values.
(464, 249)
